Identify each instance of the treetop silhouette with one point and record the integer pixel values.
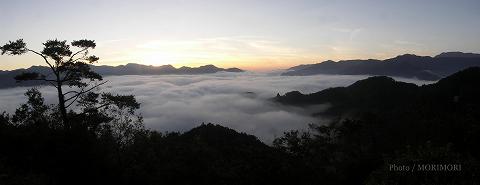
(71, 70)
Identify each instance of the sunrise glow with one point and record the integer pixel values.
(254, 35)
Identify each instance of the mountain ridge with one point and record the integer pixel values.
(7, 77)
(380, 93)
(407, 65)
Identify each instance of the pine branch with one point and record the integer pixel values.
(83, 92)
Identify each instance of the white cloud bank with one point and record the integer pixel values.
(181, 102)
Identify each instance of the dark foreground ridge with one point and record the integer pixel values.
(380, 128)
(381, 94)
(7, 77)
(408, 66)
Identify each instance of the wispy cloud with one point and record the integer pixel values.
(239, 51)
(234, 46)
(410, 43)
(352, 32)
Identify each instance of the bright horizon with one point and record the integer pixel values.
(251, 35)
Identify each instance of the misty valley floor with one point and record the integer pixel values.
(236, 100)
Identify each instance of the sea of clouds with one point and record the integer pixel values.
(237, 100)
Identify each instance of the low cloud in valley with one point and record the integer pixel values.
(236, 100)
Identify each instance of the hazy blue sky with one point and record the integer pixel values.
(252, 34)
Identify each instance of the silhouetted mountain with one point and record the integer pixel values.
(138, 69)
(381, 93)
(7, 77)
(409, 66)
(208, 154)
(457, 55)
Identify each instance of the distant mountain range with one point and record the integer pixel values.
(138, 69)
(408, 66)
(7, 77)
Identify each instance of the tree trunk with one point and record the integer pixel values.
(61, 103)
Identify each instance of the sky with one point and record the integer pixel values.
(254, 35)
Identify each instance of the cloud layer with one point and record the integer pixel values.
(236, 100)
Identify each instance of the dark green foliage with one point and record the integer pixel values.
(208, 154)
(77, 71)
(17, 47)
(33, 112)
(38, 149)
(66, 68)
(83, 43)
(92, 59)
(381, 122)
(46, 144)
(121, 101)
(56, 49)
